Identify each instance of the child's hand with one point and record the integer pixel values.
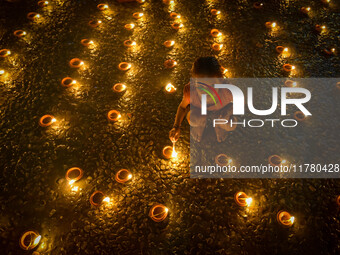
(174, 134)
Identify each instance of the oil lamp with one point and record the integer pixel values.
(76, 63)
(102, 7)
(113, 115)
(270, 24)
(326, 1)
(74, 174)
(258, 5)
(158, 212)
(299, 116)
(86, 42)
(169, 43)
(176, 25)
(124, 66)
(33, 15)
(217, 46)
(170, 63)
(214, 12)
(47, 120)
(288, 67)
(43, 3)
(174, 15)
(338, 200)
(5, 53)
(215, 33)
(285, 219)
(95, 23)
(305, 10)
(29, 240)
(281, 49)
(330, 52)
(98, 197)
(170, 88)
(141, 1)
(68, 82)
(168, 2)
(19, 33)
(138, 15)
(119, 87)
(242, 199)
(290, 83)
(167, 151)
(130, 26)
(276, 160)
(320, 28)
(123, 175)
(223, 160)
(129, 43)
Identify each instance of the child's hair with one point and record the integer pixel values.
(207, 67)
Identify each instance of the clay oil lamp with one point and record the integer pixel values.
(326, 1)
(95, 23)
(124, 66)
(217, 46)
(169, 43)
(98, 197)
(223, 160)
(123, 175)
(270, 24)
(288, 68)
(299, 116)
(138, 15)
(68, 82)
(5, 53)
(215, 12)
(33, 16)
(87, 42)
(129, 43)
(215, 33)
(29, 240)
(176, 25)
(158, 212)
(170, 63)
(305, 10)
(174, 15)
(130, 26)
(320, 28)
(242, 199)
(102, 7)
(140, 1)
(285, 219)
(113, 115)
(276, 160)
(330, 52)
(169, 88)
(74, 174)
(46, 120)
(281, 49)
(258, 5)
(76, 63)
(168, 152)
(119, 87)
(290, 83)
(19, 33)
(168, 2)
(43, 3)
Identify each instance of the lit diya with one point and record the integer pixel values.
(129, 43)
(299, 116)
(124, 66)
(113, 115)
(258, 5)
(158, 212)
(43, 3)
(68, 82)
(47, 120)
(168, 1)
(285, 219)
(170, 63)
(140, 1)
(320, 28)
(330, 52)
(19, 33)
(119, 87)
(129, 26)
(74, 174)
(169, 43)
(338, 200)
(276, 160)
(29, 240)
(270, 24)
(5, 53)
(98, 197)
(102, 7)
(305, 10)
(33, 15)
(215, 33)
(170, 88)
(176, 25)
(223, 160)
(86, 42)
(214, 12)
(123, 175)
(217, 46)
(76, 63)
(281, 49)
(167, 152)
(242, 199)
(138, 15)
(288, 67)
(95, 23)
(174, 15)
(290, 83)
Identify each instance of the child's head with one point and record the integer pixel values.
(206, 67)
